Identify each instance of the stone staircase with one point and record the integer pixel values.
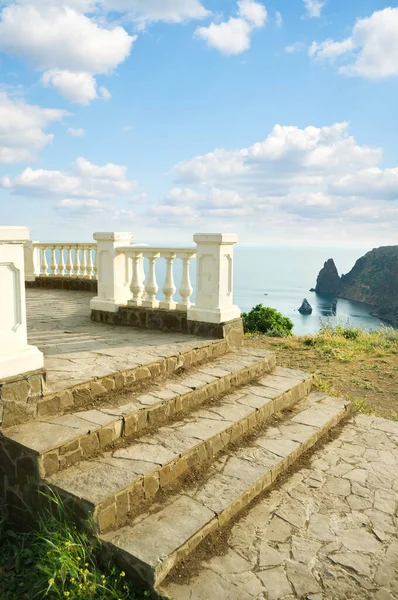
(162, 465)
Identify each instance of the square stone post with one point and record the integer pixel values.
(16, 356)
(214, 279)
(31, 260)
(113, 272)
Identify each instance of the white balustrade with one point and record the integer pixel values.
(127, 275)
(144, 292)
(60, 260)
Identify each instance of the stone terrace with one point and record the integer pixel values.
(77, 350)
(329, 532)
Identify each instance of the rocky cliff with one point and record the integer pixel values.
(373, 280)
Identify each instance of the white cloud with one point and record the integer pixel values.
(171, 11)
(253, 12)
(104, 93)
(62, 38)
(178, 196)
(330, 49)
(67, 45)
(80, 88)
(293, 48)
(373, 44)
(234, 36)
(83, 180)
(314, 7)
(138, 198)
(302, 153)
(77, 132)
(74, 40)
(22, 128)
(223, 198)
(369, 183)
(296, 180)
(230, 37)
(278, 19)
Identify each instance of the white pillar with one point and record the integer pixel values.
(16, 356)
(31, 260)
(113, 272)
(214, 279)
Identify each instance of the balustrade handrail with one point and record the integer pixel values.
(149, 249)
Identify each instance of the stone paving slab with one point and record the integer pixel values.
(233, 480)
(329, 532)
(77, 350)
(170, 451)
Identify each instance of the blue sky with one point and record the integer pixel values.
(276, 120)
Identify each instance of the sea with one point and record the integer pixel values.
(282, 277)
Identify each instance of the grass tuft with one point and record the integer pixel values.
(56, 561)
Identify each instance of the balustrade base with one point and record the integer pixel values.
(213, 315)
(63, 283)
(172, 320)
(101, 304)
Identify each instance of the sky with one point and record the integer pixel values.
(275, 120)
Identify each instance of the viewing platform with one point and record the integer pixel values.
(77, 350)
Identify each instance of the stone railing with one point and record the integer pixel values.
(122, 280)
(73, 260)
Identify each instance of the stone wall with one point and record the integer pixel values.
(175, 320)
(64, 283)
(19, 397)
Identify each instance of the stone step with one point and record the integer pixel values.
(48, 445)
(120, 373)
(154, 542)
(112, 485)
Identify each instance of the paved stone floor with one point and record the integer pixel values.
(328, 533)
(77, 350)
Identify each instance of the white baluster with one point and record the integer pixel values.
(44, 263)
(53, 262)
(151, 286)
(69, 263)
(90, 265)
(136, 286)
(84, 261)
(169, 288)
(61, 265)
(185, 289)
(76, 264)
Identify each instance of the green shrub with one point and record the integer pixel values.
(268, 321)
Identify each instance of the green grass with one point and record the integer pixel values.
(347, 343)
(57, 561)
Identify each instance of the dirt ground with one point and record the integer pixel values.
(371, 380)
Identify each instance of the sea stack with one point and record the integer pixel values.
(328, 282)
(305, 308)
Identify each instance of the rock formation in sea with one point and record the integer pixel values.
(305, 308)
(373, 280)
(328, 281)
